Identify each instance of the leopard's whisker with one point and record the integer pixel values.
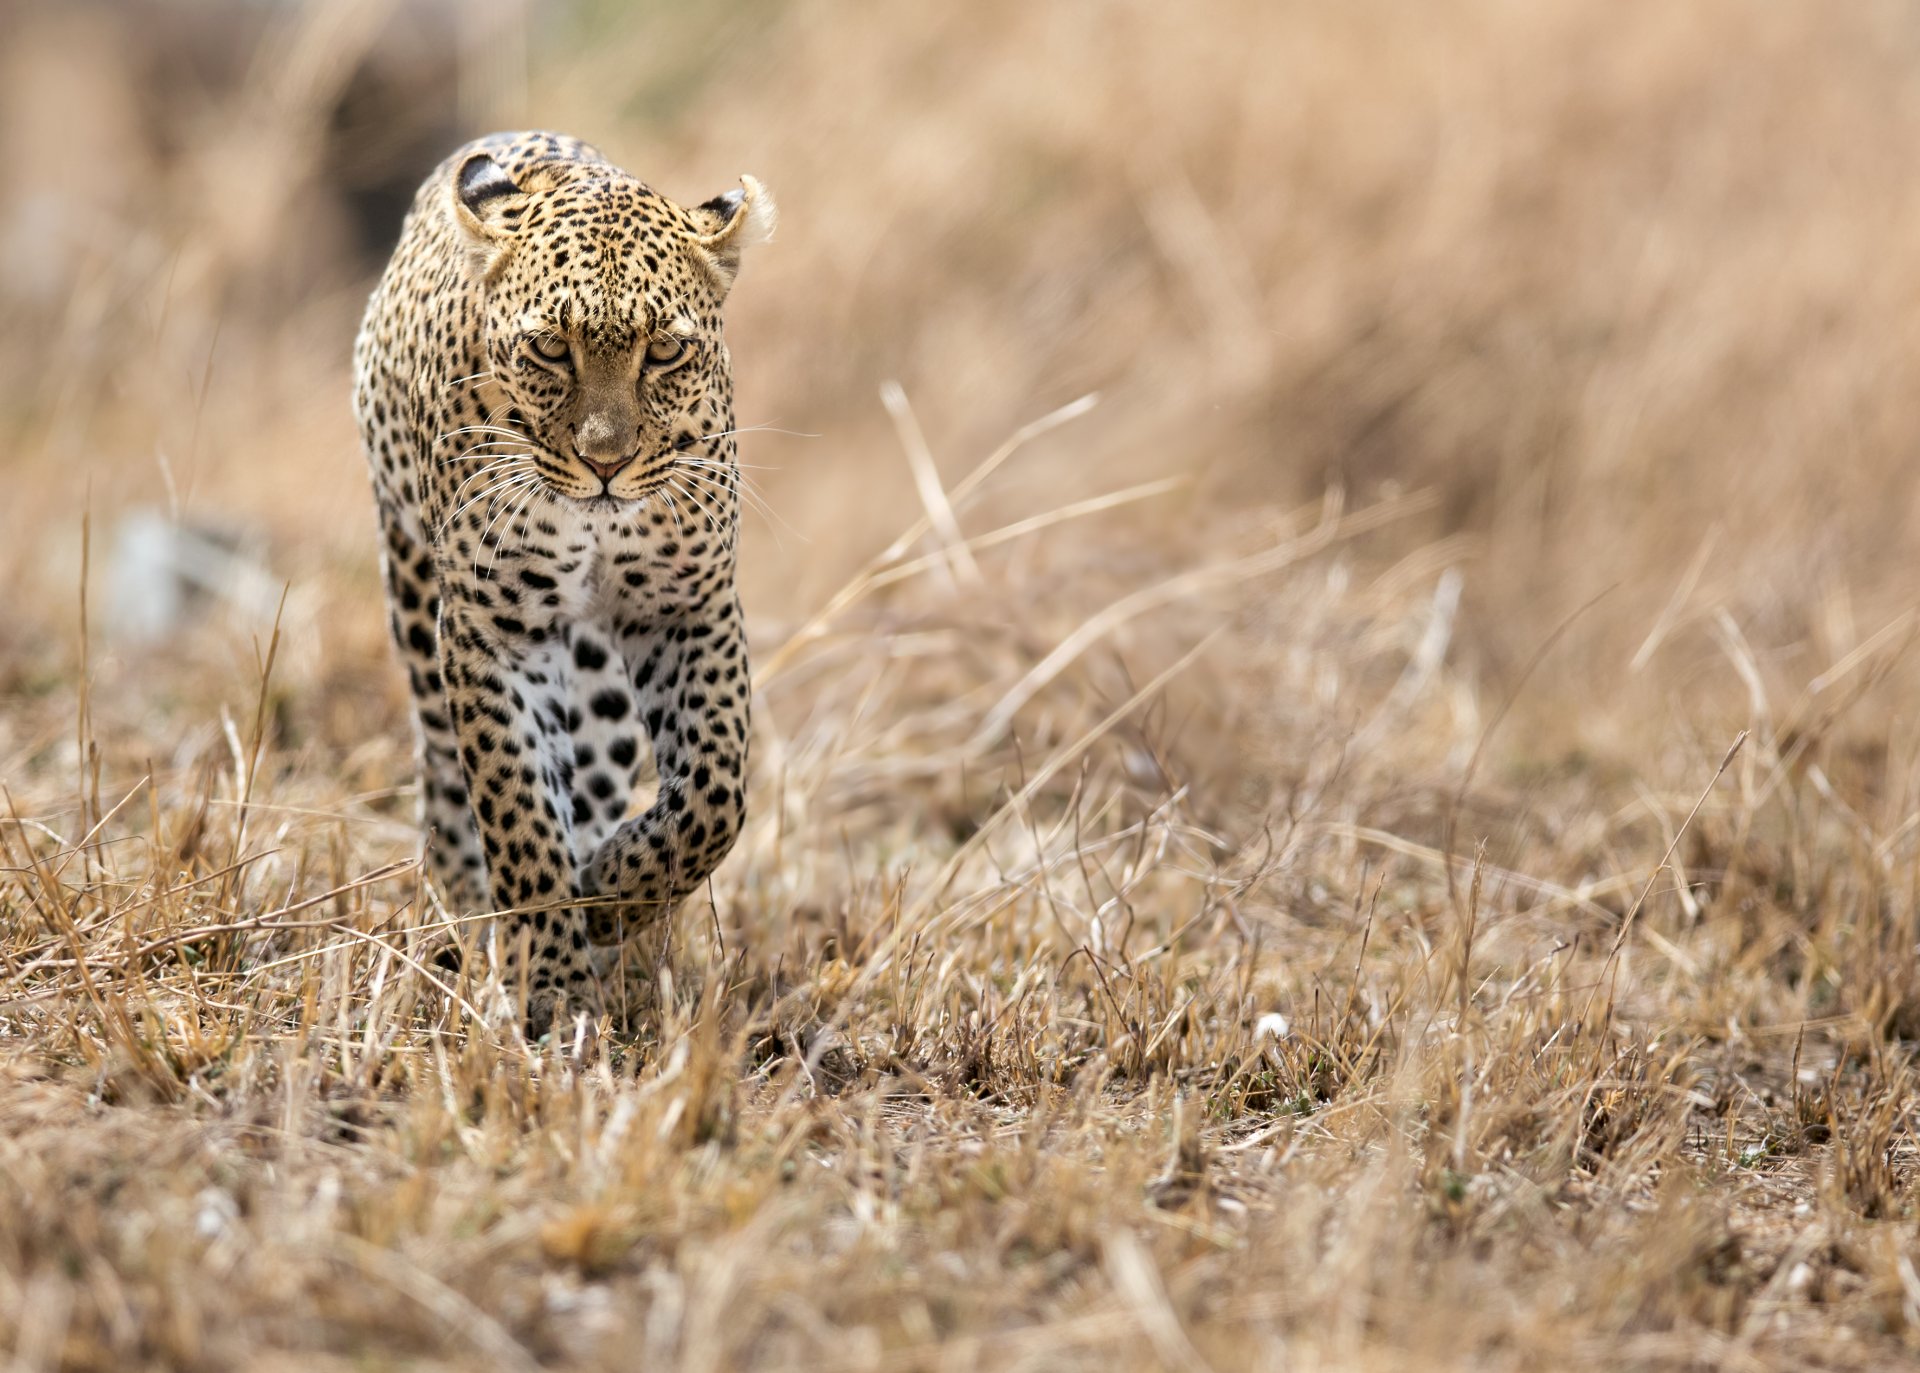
(459, 381)
(460, 510)
(484, 449)
(723, 484)
(497, 485)
(512, 456)
(511, 489)
(507, 466)
(732, 469)
(481, 427)
(746, 491)
(722, 492)
(712, 494)
(511, 493)
(682, 518)
(501, 430)
(711, 505)
(518, 509)
(754, 429)
(680, 521)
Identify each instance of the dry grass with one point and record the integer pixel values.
(1396, 841)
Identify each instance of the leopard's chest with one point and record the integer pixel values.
(620, 568)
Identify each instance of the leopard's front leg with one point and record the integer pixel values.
(515, 753)
(690, 681)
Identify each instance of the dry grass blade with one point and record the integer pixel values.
(863, 581)
(461, 1321)
(926, 480)
(1239, 572)
(1633, 911)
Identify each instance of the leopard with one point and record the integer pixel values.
(545, 400)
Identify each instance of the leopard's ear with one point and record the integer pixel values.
(487, 202)
(728, 223)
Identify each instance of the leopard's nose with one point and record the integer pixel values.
(605, 442)
(606, 469)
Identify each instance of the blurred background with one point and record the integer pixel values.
(1623, 298)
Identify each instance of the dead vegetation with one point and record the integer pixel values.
(1389, 840)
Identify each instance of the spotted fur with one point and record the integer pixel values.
(546, 406)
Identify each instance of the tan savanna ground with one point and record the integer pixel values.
(1271, 892)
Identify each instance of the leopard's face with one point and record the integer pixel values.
(601, 324)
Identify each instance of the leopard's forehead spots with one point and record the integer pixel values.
(609, 333)
(609, 260)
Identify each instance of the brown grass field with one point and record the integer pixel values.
(1389, 839)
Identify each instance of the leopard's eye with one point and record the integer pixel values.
(664, 352)
(550, 348)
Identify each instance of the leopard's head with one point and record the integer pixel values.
(601, 318)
